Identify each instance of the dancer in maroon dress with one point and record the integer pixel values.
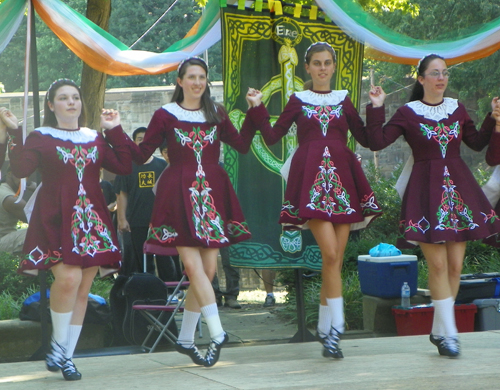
(3, 134)
(443, 207)
(326, 189)
(196, 209)
(70, 230)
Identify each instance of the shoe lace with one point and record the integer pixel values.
(451, 343)
(69, 366)
(57, 353)
(331, 341)
(212, 349)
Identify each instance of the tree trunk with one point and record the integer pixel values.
(94, 82)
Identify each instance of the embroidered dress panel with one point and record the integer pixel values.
(195, 203)
(70, 221)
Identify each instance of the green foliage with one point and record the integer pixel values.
(15, 288)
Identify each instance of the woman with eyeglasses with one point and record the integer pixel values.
(443, 207)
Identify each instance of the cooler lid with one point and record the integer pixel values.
(388, 259)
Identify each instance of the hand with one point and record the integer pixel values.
(109, 119)
(254, 97)
(377, 96)
(494, 103)
(123, 226)
(8, 119)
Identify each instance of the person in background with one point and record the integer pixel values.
(232, 275)
(268, 276)
(326, 190)
(70, 230)
(3, 136)
(135, 199)
(11, 212)
(196, 209)
(443, 207)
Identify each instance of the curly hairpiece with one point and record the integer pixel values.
(425, 57)
(181, 64)
(55, 82)
(320, 43)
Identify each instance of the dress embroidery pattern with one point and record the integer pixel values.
(368, 204)
(453, 214)
(37, 255)
(208, 223)
(162, 233)
(327, 194)
(423, 225)
(324, 114)
(90, 235)
(442, 134)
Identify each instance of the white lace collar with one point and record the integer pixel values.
(185, 115)
(435, 113)
(322, 99)
(82, 136)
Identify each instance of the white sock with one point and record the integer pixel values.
(445, 312)
(336, 305)
(324, 320)
(60, 326)
(437, 321)
(188, 328)
(73, 336)
(270, 294)
(211, 315)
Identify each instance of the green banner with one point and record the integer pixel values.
(266, 51)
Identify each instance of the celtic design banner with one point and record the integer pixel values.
(266, 51)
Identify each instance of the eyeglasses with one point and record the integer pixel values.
(435, 73)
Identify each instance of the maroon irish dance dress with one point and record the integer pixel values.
(493, 158)
(326, 180)
(70, 221)
(2, 154)
(442, 201)
(195, 202)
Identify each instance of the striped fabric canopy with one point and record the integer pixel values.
(103, 52)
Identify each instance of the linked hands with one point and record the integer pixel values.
(495, 112)
(254, 97)
(109, 119)
(377, 96)
(7, 120)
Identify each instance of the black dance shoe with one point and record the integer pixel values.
(449, 346)
(192, 352)
(69, 371)
(56, 357)
(436, 340)
(213, 351)
(330, 342)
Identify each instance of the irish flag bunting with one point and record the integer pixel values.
(103, 52)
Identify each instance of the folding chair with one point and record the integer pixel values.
(157, 323)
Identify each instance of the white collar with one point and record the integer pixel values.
(321, 99)
(435, 113)
(82, 136)
(197, 116)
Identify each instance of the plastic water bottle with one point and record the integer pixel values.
(405, 296)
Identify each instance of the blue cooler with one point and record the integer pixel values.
(384, 276)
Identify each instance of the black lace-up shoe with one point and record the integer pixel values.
(449, 346)
(330, 342)
(436, 340)
(192, 352)
(69, 371)
(213, 351)
(56, 357)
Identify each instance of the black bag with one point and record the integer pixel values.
(98, 311)
(478, 286)
(139, 289)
